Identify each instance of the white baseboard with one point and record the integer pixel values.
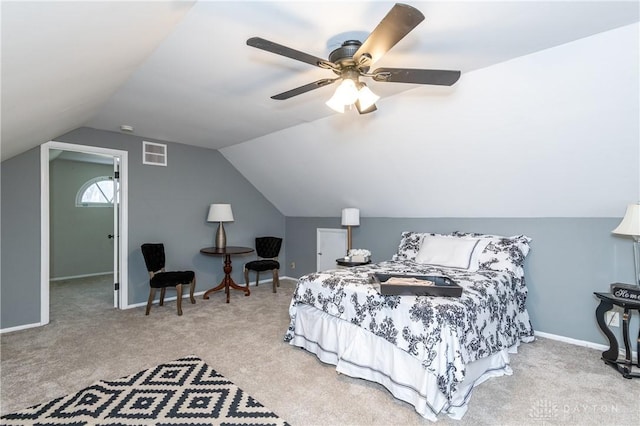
(186, 296)
(583, 343)
(572, 341)
(20, 327)
(72, 277)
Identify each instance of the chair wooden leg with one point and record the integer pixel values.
(152, 294)
(257, 277)
(275, 279)
(192, 288)
(246, 277)
(162, 290)
(179, 298)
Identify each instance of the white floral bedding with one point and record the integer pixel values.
(443, 333)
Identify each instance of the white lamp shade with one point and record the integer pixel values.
(350, 217)
(220, 213)
(630, 224)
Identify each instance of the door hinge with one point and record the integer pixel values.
(117, 175)
(117, 286)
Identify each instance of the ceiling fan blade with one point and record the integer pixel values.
(304, 89)
(400, 20)
(279, 49)
(418, 76)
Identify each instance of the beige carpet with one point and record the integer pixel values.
(87, 340)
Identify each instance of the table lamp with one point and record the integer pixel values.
(350, 217)
(630, 225)
(220, 213)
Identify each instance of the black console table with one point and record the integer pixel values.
(624, 366)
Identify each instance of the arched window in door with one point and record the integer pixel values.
(96, 192)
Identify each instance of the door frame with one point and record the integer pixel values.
(44, 219)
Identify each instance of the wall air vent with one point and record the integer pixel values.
(154, 153)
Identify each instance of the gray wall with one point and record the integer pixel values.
(20, 245)
(570, 258)
(166, 204)
(78, 242)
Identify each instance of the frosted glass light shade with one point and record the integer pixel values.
(220, 213)
(349, 92)
(366, 97)
(350, 217)
(345, 94)
(630, 224)
(335, 104)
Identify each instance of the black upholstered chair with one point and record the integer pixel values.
(159, 278)
(267, 249)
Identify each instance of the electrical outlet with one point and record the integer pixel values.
(293, 265)
(612, 318)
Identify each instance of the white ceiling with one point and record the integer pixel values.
(181, 71)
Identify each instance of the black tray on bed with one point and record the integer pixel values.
(441, 286)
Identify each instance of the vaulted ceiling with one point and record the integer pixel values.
(181, 71)
(543, 121)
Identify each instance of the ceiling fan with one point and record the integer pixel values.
(354, 59)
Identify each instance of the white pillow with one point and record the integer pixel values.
(450, 252)
(476, 257)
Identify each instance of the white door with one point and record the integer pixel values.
(331, 245)
(116, 232)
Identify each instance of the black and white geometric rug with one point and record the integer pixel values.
(183, 392)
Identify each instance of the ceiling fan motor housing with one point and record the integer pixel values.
(343, 55)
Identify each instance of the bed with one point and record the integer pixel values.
(427, 351)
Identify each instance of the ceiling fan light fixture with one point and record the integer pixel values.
(366, 98)
(346, 94)
(349, 92)
(354, 58)
(365, 111)
(335, 104)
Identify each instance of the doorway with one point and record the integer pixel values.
(331, 245)
(118, 160)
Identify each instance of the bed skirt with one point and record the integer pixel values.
(359, 353)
